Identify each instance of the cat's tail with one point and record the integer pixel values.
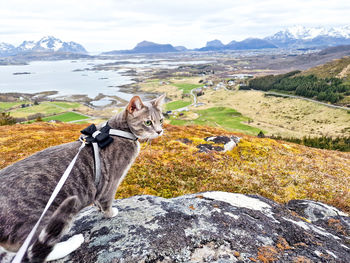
(54, 230)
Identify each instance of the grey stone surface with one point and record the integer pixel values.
(212, 227)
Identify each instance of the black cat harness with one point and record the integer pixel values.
(98, 139)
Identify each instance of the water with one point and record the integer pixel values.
(61, 76)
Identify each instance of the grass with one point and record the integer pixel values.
(66, 117)
(186, 87)
(224, 117)
(67, 105)
(45, 108)
(177, 104)
(7, 105)
(287, 117)
(335, 68)
(278, 170)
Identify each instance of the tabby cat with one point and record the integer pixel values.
(26, 186)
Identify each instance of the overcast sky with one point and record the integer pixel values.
(102, 25)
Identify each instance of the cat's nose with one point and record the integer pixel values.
(159, 132)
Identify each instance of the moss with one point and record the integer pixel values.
(275, 169)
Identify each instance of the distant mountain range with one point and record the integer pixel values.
(295, 37)
(148, 47)
(46, 44)
(303, 37)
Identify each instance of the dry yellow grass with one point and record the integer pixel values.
(282, 116)
(275, 169)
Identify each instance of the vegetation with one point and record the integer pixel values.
(186, 87)
(6, 119)
(224, 117)
(323, 142)
(45, 108)
(8, 105)
(323, 89)
(275, 169)
(176, 104)
(66, 117)
(336, 68)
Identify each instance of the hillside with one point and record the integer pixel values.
(338, 68)
(330, 86)
(172, 166)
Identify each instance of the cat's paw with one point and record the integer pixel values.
(62, 249)
(112, 212)
(115, 211)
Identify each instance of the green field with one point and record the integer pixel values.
(177, 104)
(186, 88)
(66, 117)
(224, 117)
(67, 105)
(7, 105)
(45, 108)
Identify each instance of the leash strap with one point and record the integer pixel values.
(97, 163)
(19, 256)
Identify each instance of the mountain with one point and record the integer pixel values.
(145, 47)
(181, 48)
(150, 47)
(250, 43)
(215, 43)
(304, 37)
(46, 44)
(212, 46)
(6, 49)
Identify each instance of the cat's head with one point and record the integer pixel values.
(145, 119)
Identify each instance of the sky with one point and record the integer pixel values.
(104, 25)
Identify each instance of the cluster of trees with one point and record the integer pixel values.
(327, 89)
(324, 142)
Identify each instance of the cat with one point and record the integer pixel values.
(26, 186)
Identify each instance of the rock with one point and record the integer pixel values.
(226, 143)
(208, 147)
(261, 134)
(209, 227)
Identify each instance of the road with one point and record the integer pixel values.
(193, 103)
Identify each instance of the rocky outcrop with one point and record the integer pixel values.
(219, 144)
(213, 227)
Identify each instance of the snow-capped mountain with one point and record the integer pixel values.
(301, 36)
(46, 44)
(6, 48)
(26, 46)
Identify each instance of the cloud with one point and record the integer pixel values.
(109, 24)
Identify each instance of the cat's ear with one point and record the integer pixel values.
(135, 104)
(158, 102)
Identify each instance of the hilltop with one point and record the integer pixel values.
(338, 68)
(172, 165)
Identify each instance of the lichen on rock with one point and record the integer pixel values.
(210, 227)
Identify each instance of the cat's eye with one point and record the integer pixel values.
(148, 123)
(161, 121)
